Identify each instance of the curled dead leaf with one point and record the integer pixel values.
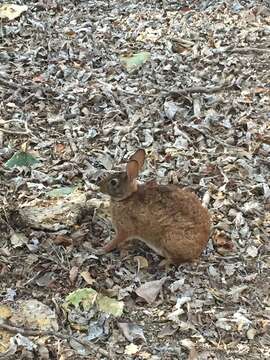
(222, 243)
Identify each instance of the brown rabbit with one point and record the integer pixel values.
(171, 221)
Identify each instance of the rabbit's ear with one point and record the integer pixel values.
(139, 156)
(132, 169)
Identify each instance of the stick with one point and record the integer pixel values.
(5, 82)
(245, 50)
(199, 89)
(70, 140)
(31, 332)
(212, 138)
(9, 84)
(13, 132)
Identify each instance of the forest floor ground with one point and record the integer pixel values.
(75, 96)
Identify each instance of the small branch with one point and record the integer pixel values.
(1, 139)
(213, 138)
(30, 332)
(9, 84)
(240, 50)
(13, 132)
(33, 87)
(70, 140)
(200, 90)
(245, 50)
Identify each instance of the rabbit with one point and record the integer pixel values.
(169, 220)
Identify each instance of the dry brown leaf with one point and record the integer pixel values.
(62, 240)
(150, 290)
(73, 274)
(87, 277)
(222, 243)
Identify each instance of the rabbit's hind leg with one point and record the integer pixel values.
(179, 247)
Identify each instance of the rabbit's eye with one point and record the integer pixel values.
(114, 182)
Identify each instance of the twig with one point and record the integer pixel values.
(1, 139)
(54, 261)
(245, 50)
(240, 50)
(212, 137)
(31, 332)
(70, 140)
(13, 132)
(200, 90)
(9, 84)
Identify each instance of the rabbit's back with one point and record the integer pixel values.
(168, 219)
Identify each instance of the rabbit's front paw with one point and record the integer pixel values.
(110, 246)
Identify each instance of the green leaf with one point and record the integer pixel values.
(134, 61)
(82, 297)
(21, 158)
(110, 306)
(61, 192)
(87, 297)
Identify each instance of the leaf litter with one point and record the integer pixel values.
(194, 90)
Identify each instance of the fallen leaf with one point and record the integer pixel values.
(193, 354)
(18, 239)
(134, 61)
(10, 295)
(24, 342)
(62, 240)
(222, 243)
(132, 331)
(229, 269)
(59, 148)
(61, 192)
(110, 306)
(170, 109)
(150, 35)
(5, 312)
(168, 330)
(241, 320)
(188, 344)
(73, 274)
(96, 329)
(252, 251)
(46, 280)
(87, 277)
(82, 297)
(144, 355)
(11, 11)
(54, 214)
(251, 333)
(86, 298)
(131, 349)
(176, 285)
(39, 78)
(174, 316)
(222, 323)
(34, 314)
(21, 158)
(150, 290)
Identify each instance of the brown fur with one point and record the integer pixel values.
(170, 220)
